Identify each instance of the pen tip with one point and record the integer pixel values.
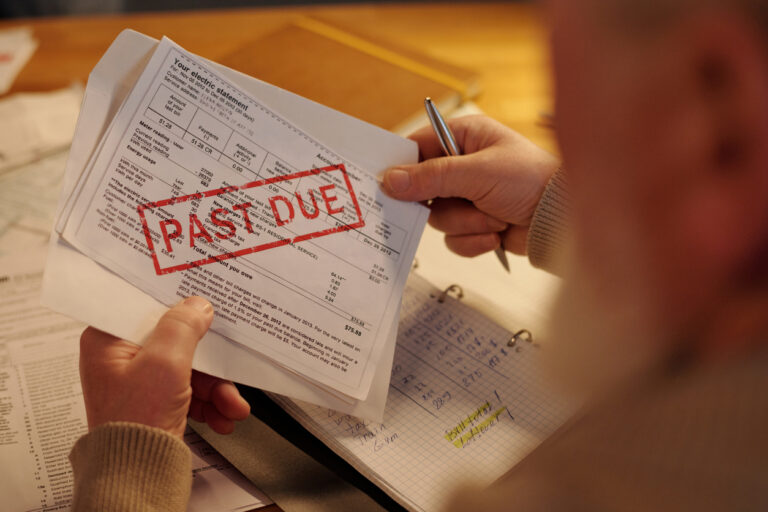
(428, 99)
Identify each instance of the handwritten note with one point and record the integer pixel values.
(463, 405)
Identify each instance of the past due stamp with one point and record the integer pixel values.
(205, 227)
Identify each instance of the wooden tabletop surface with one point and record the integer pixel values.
(505, 43)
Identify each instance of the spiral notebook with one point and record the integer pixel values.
(467, 401)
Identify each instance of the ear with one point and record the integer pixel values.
(721, 216)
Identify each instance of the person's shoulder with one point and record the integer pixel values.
(689, 437)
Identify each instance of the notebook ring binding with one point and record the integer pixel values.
(453, 288)
(521, 335)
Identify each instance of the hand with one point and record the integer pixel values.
(481, 198)
(154, 385)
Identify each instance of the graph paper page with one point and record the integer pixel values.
(463, 406)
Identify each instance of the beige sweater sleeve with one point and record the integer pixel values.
(549, 231)
(126, 466)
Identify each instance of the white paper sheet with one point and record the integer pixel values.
(217, 484)
(300, 252)
(34, 125)
(28, 195)
(116, 73)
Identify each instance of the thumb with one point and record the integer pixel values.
(179, 329)
(451, 176)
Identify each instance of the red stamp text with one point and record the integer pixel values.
(206, 227)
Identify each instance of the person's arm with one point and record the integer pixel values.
(549, 231)
(137, 400)
(503, 188)
(129, 466)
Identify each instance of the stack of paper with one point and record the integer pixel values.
(35, 132)
(186, 178)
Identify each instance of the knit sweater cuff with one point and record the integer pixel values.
(127, 466)
(549, 231)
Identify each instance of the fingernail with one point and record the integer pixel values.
(398, 180)
(199, 304)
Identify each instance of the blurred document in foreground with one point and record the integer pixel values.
(42, 412)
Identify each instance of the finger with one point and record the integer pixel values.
(440, 176)
(202, 384)
(216, 420)
(227, 400)
(221, 393)
(454, 176)
(472, 245)
(179, 329)
(516, 240)
(460, 217)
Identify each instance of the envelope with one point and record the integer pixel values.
(80, 288)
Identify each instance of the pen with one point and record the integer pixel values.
(451, 148)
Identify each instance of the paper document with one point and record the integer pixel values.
(217, 484)
(42, 412)
(28, 203)
(199, 188)
(464, 406)
(34, 125)
(35, 133)
(67, 269)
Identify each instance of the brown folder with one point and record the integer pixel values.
(375, 80)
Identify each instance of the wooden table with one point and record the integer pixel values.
(505, 43)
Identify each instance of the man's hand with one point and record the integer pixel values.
(483, 197)
(154, 385)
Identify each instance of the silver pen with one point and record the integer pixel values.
(451, 148)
